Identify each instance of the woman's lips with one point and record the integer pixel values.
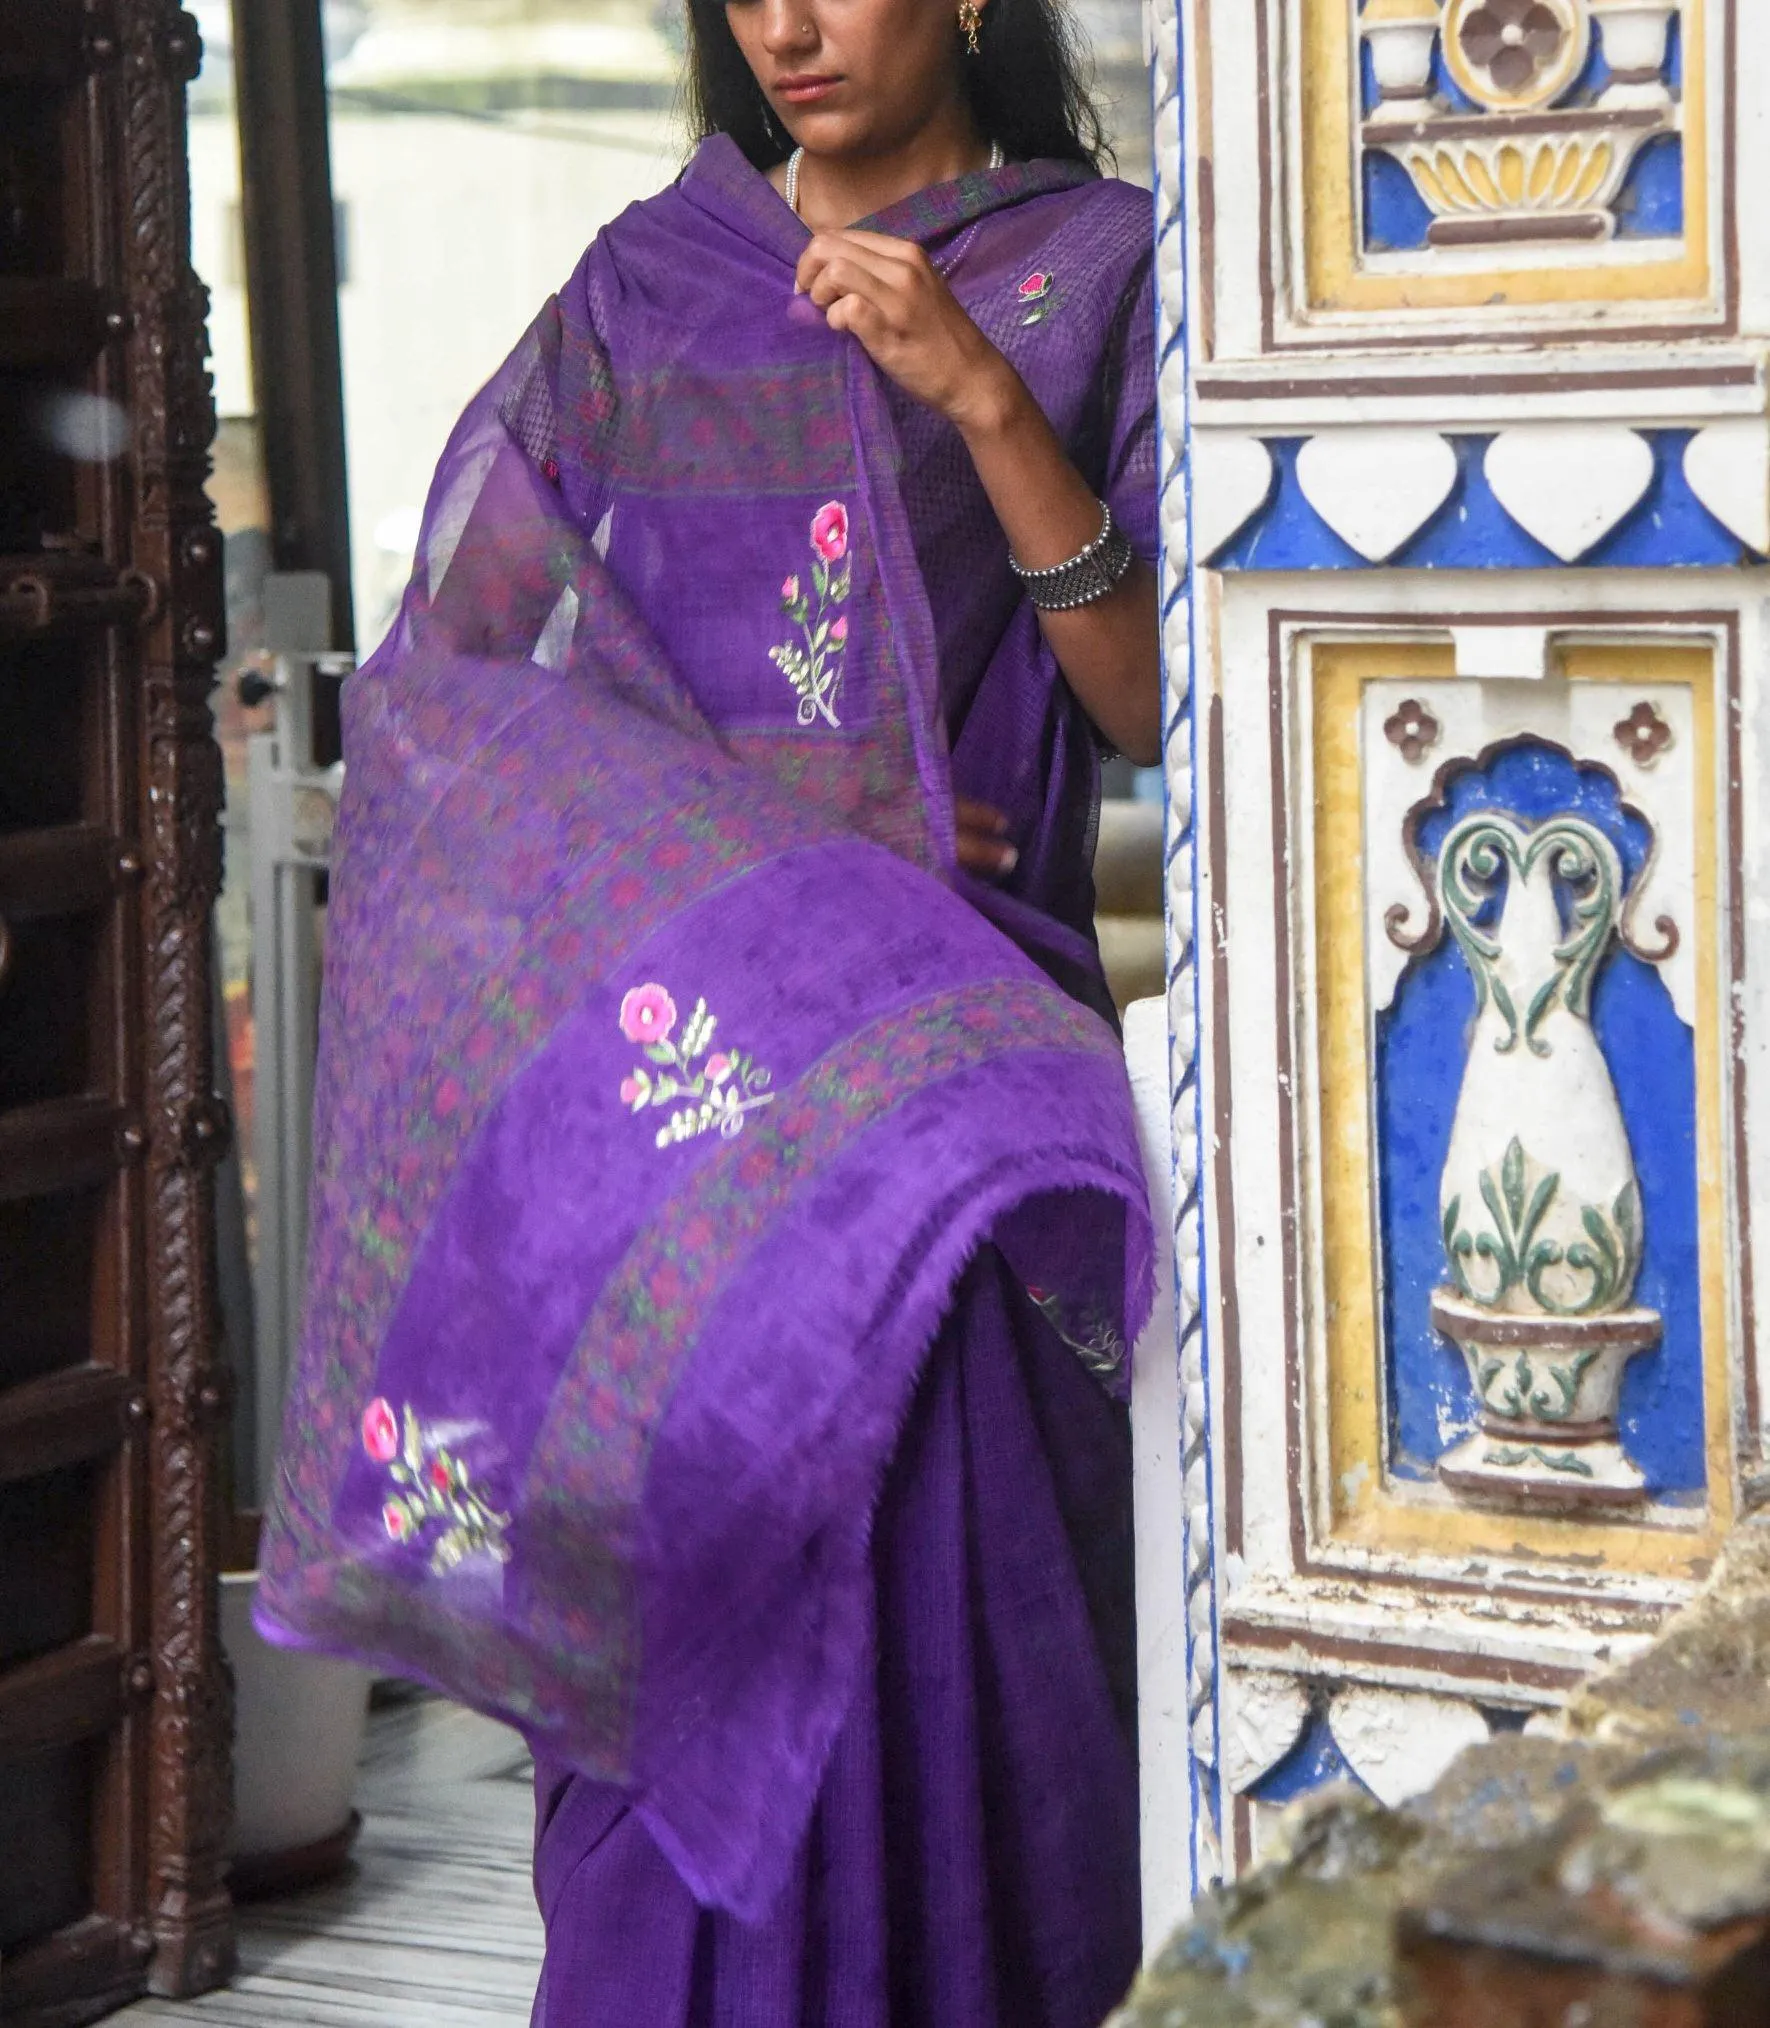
(805, 90)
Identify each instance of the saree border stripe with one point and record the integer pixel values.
(592, 1450)
(664, 1288)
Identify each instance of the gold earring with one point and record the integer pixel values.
(970, 19)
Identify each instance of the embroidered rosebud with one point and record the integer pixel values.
(632, 1091)
(790, 593)
(1035, 285)
(396, 1521)
(439, 1475)
(648, 1014)
(829, 531)
(839, 629)
(380, 1431)
(718, 1065)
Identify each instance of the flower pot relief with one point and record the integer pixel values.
(1540, 1208)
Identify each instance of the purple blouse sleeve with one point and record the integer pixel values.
(1132, 451)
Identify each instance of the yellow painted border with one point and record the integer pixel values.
(1365, 1511)
(1335, 275)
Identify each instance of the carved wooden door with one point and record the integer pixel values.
(113, 1696)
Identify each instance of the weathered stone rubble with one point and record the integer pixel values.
(1636, 1848)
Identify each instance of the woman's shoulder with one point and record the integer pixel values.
(1119, 215)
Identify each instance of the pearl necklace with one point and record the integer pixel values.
(996, 159)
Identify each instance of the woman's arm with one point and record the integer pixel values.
(889, 295)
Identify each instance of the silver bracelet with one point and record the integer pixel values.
(1088, 575)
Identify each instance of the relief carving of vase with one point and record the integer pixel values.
(1532, 162)
(1539, 1203)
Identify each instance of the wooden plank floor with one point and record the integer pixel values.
(435, 1925)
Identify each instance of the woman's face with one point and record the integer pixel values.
(851, 77)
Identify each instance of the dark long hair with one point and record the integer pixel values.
(1028, 86)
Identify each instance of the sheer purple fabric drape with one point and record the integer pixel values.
(670, 1077)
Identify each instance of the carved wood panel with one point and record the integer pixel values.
(114, 1698)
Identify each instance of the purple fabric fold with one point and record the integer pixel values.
(668, 1083)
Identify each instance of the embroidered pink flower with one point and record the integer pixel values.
(380, 1430)
(839, 630)
(718, 1065)
(396, 1521)
(439, 1475)
(1035, 285)
(648, 1014)
(790, 592)
(631, 1091)
(829, 531)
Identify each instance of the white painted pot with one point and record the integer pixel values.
(1634, 32)
(1539, 1206)
(1401, 34)
(298, 1733)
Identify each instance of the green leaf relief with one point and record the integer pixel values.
(1504, 1044)
(1509, 1456)
(1541, 1001)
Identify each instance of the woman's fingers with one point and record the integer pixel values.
(982, 842)
(887, 258)
(840, 278)
(980, 816)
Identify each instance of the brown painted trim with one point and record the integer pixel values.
(1241, 1832)
(1222, 1164)
(1521, 1591)
(1502, 126)
(1582, 226)
(1222, 388)
(1730, 83)
(1278, 618)
(1750, 1402)
(1265, 139)
(1484, 1668)
(1278, 720)
(1202, 129)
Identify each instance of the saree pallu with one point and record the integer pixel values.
(675, 1106)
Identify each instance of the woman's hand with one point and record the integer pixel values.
(889, 295)
(983, 839)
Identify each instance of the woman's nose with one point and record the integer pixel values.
(788, 27)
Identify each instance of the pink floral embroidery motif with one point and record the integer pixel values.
(1035, 296)
(431, 1486)
(648, 1014)
(703, 1088)
(813, 663)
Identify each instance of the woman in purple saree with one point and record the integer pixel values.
(727, 1221)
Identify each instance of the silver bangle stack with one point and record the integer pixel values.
(1088, 575)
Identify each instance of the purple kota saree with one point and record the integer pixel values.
(722, 1229)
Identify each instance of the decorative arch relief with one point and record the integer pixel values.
(1535, 994)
